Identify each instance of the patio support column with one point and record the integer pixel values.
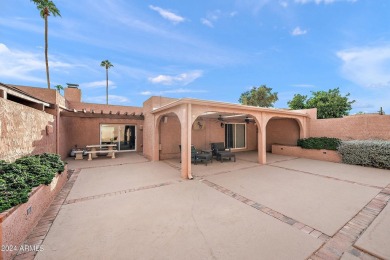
(304, 130)
(186, 143)
(261, 141)
(156, 140)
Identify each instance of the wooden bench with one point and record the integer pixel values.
(110, 153)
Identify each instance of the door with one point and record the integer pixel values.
(124, 136)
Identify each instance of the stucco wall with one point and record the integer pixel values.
(357, 127)
(16, 224)
(24, 131)
(149, 126)
(282, 131)
(106, 108)
(201, 138)
(45, 94)
(86, 131)
(296, 151)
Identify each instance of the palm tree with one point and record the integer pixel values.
(46, 7)
(107, 64)
(59, 88)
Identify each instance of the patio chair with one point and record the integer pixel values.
(221, 152)
(199, 156)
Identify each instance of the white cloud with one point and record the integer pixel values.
(112, 99)
(367, 66)
(207, 22)
(283, 4)
(166, 14)
(298, 31)
(215, 15)
(322, 1)
(181, 79)
(24, 65)
(172, 91)
(98, 84)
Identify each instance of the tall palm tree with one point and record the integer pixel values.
(46, 7)
(107, 64)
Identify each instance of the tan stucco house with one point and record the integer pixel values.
(37, 120)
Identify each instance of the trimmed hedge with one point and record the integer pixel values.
(319, 143)
(17, 179)
(373, 153)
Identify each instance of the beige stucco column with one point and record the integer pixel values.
(186, 125)
(156, 140)
(262, 143)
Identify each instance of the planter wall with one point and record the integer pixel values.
(322, 155)
(17, 222)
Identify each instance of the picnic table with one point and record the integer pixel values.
(94, 149)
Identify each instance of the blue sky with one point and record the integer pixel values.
(213, 49)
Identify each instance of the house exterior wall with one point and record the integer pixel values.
(212, 132)
(86, 131)
(24, 131)
(282, 131)
(45, 94)
(106, 108)
(149, 128)
(357, 127)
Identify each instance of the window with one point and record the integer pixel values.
(235, 135)
(122, 135)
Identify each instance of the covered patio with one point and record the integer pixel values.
(250, 211)
(191, 116)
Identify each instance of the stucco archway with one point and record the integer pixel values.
(282, 130)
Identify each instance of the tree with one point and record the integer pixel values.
(329, 104)
(46, 7)
(261, 97)
(107, 64)
(59, 88)
(298, 102)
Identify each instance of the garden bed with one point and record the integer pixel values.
(17, 222)
(322, 154)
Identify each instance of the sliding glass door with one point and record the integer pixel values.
(235, 135)
(123, 136)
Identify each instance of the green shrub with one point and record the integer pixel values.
(13, 187)
(53, 161)
(373, 153)
(37, 173)
(319, 143)
(17, 179)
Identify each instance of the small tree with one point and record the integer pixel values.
(261, 97)
(329, 104)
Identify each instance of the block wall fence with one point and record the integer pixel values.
(356, 127)
(24, 131)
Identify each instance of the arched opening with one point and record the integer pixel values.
(236, 131)
(169, 136)
(284, 131)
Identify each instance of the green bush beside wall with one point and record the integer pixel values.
(18, 178)
(373, 153)
(319, 143)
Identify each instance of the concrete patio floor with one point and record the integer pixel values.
(291, 208)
